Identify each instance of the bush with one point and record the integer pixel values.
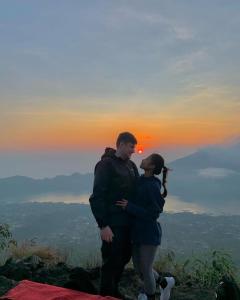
(205, 270)
(5, 237)
(29, 248)
(169, 263)
(208, 270)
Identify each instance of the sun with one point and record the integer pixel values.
(140, 151)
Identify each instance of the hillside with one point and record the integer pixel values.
(222, 156)
(210, 175)
(36, 269)
(20, 188)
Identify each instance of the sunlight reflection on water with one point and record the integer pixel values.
(63, 198)
(173, 203)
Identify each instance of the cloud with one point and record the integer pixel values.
(182, 32)
(39, 53)
(215, 172)
(208, 102)
(125, 15)
(189, 61)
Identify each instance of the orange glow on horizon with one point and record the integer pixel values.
(68, 132)
(79, 140)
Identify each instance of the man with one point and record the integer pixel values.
(114, 179)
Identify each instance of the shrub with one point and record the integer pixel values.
(203, 270)
(5, 236)
(208, 270)
(29, 248)
(168, 262)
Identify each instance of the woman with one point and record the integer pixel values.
(146, 231)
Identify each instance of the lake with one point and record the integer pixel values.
(173, 204)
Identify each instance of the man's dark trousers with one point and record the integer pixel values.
(115, 255)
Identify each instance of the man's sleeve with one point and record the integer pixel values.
(98, 198)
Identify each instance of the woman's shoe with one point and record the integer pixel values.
(165, 287)
(142, 296)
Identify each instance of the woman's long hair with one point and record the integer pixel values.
(158, 162)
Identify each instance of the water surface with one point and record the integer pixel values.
(173, 204)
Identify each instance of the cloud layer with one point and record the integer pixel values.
(76, 73)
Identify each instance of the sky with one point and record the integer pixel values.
(74, 73)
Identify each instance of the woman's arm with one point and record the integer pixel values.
(155, 204)
(138, 211)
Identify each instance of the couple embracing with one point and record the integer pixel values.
(126, 207)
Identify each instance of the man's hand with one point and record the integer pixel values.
(107, 234)
(123, 203)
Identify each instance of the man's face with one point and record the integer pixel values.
(127, 149)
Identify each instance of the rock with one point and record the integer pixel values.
(34, 261)
(6, 284)
(79, 279)
(94, 273)
(54, 274)
(193, 293)
(17, 270)
(33, 268)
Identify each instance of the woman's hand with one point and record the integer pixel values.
(122, 203)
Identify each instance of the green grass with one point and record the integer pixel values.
(202, 269)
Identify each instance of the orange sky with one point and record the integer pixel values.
(200, 119)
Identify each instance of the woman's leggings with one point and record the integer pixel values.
(143, 258)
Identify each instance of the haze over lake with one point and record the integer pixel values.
(173, 204)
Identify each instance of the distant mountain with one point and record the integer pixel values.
(227, 157)
(22, 188)
(210, 174)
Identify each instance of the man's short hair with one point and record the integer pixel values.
(126, 137)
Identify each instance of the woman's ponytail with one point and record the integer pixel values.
(164, 181)
(159, 164)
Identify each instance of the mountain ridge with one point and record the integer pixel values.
(209, 174)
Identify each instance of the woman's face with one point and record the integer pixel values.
(147, 164)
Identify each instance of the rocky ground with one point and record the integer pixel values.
(86, 280)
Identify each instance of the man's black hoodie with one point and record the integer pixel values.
(114, 179)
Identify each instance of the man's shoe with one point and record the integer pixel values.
(165, 287)
(151, 297)
(122, 296)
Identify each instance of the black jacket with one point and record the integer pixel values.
(114, 179)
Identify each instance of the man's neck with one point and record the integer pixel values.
(119, 154)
